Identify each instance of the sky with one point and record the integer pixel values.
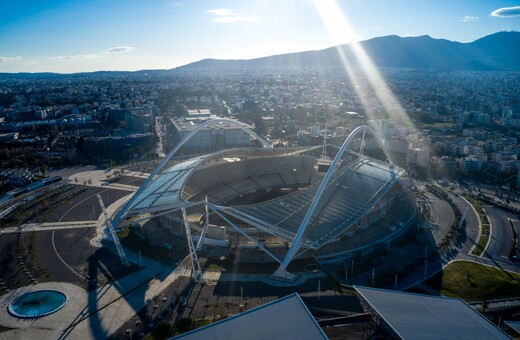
(68, 36)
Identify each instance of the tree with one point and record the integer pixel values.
(260, 126)
(43, 168)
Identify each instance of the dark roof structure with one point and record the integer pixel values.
(284, 318)
(415, 316)
(514, 325)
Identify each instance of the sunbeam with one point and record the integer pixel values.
(341, 32)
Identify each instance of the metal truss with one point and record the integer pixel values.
(195, 269)
(281, 272)
(110, 227)
(200, 243)
(214, 208)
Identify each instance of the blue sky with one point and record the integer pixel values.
(75, 36)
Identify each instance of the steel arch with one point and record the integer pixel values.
(296, 244)
(170, 154)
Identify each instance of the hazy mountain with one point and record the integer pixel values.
(498, 51)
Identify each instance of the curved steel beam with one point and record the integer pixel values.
(170, 154)
(281, 272)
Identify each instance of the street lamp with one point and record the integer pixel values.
(425, 261)
(241, 296)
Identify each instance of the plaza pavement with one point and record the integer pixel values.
(94, 177)
(101, 312)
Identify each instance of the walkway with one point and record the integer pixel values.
(99, 178)
(49, 226)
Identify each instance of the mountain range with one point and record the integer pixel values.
(499, 51)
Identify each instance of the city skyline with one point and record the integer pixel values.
(79, 36)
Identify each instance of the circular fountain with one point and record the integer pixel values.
(37, 304)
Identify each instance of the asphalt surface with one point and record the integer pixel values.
(73, 246)
(501, 234)
(84, 206)
(516, 225)
(471, 227)
(442, 216)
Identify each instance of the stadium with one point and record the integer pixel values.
(265, 204)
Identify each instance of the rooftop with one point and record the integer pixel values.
(415, 316)
(188, 124)
(284, 318)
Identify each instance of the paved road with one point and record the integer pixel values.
(472, 226)
(441, 215)
(516, 225)
(501, 234)
(495, 255)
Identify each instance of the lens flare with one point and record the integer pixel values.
(358, 64)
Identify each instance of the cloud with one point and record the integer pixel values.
(506, 12)
(77, 56)
(225, 15)
(469, 18)
(110, 51)
(8, 59)
(119, 50)
(221, 12)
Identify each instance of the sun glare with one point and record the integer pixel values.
(341, 32)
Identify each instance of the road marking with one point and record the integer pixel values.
(54, 232)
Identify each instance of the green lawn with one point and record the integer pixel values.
(473, 281)
(123, 233)
(484, 235)
(211, 265)
(483, 240)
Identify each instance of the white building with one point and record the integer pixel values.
(215, 137)
(418, 157)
